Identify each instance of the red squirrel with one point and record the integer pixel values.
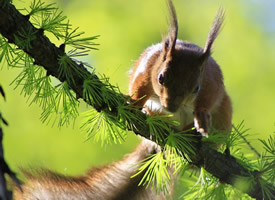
(179, 78)
(174, 77)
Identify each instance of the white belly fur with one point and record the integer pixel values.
(184, 115)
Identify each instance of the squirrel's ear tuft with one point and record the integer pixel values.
(214, 32)
(169, 42)
(165, 48)
(173, 29)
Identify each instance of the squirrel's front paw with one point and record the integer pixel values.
(202, 121)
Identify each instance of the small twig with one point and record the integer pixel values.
(5, 169)
(248, 143)
(260, 173)
(2, 92)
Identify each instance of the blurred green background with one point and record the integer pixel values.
(245, 51)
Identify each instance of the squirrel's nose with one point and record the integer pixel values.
(171, 107)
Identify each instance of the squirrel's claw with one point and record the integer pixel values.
(202, 122)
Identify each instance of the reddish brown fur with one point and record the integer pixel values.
(142, 88)
(111, 182)
(183, 67)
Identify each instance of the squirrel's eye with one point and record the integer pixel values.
(161, 79)
(197, 89)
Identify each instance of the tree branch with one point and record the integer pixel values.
(5, 169)
(46, 54)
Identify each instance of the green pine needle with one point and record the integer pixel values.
(204, 188)
(51, 21)
(27, 77)
(59, 101)
(179, 145)
(5, 50)
(75, 53)
(237, 135)
(37, 6)
(45, 92)
(243, 159)
(65, 107)
(266, 165)
(155, 172)
(12, 55)
(17, 59)
(99, 126)
(23, 39)
(128, 117)
(96, 91)
(66, 104)
(73, 39)
(92, 92)
(68, 69)
(112, 96)
(269, 146)
(266, 189)
(160, 126)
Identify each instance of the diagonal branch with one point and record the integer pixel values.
(46, 54)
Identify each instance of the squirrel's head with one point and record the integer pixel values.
(178, 72)
(177, 76)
